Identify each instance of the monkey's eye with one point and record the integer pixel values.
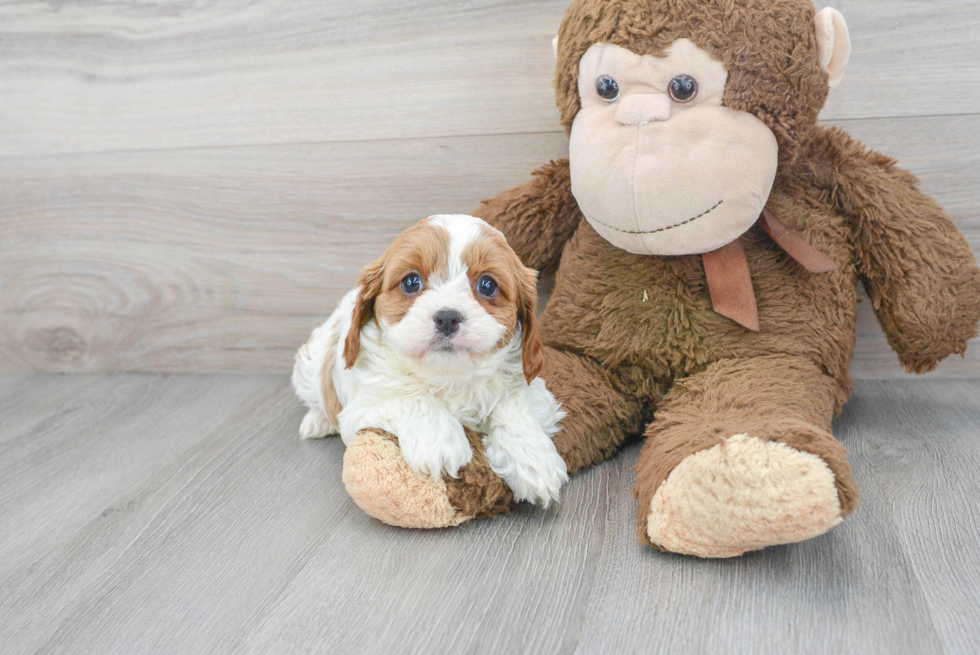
(683, 88)
(411, 284)
(487, 287)
(607, 88)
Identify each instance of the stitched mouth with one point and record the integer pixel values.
(663, 229)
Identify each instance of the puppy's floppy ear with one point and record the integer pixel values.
(527, 307)
(372, 277)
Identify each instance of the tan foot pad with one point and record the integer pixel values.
(382, 484)
(742, 495)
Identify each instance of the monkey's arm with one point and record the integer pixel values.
(537, 218)
(917, 267)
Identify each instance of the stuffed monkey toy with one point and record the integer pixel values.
(707, 237)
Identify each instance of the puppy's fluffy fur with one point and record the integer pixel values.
(382, 360)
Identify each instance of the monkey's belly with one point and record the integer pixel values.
(655, 313)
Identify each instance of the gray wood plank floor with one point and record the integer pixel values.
(164, 513)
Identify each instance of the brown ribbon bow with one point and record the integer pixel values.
(730, 282)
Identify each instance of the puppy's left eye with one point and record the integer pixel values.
(412, 283)
(487, 287)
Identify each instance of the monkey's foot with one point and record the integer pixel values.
(382, 484)
(740, 495)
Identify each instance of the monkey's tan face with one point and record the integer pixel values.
(658, 165)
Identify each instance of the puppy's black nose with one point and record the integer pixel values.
(447, 321)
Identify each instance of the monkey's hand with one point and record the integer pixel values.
(917, 267)
(537, 218)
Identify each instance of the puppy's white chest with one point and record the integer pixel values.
(471, 407)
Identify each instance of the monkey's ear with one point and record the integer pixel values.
(527, 307)
(833, 43)
(372, 278)
(554, 46)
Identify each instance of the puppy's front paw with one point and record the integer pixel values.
(533, 469)
(316, 426)
(435, 443)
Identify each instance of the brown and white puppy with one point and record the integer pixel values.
(440, 334)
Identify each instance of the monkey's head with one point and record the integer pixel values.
(681, 113)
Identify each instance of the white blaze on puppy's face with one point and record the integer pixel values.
(448, 291)
(658, 165)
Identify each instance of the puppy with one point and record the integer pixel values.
(440, 334)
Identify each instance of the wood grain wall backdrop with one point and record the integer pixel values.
(192, 186)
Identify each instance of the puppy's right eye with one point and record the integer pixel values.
(411, 284)
(487, 287)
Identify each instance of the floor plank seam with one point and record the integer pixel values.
(218, 147)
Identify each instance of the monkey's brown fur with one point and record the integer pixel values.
(634, 345)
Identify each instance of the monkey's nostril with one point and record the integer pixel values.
(447, 321)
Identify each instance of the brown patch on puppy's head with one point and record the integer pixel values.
(515, 303)
(422, 249)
